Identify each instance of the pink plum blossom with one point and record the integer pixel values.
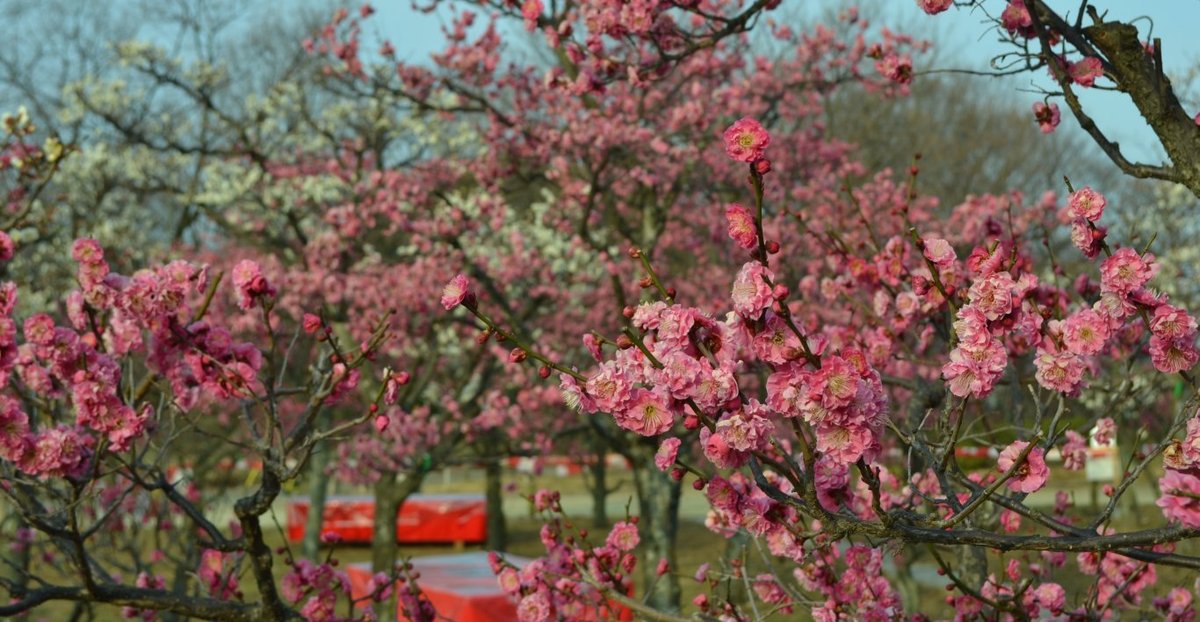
(741, 225)
(933, 7)
(1087, 204)
(1031, 474)
(1047, 116)
(455, 292)
(746, 140)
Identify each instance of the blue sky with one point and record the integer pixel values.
(1174, 21)
(962, 35)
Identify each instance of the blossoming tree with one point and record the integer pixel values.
(96, 406)
(873, 305)
(624, 146)
(810, 344)
(355, 220)
(799, 460)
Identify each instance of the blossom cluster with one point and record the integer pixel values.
(110, 317)
(680, 375)
(318, 585)
(1180, 484)
(571, 580)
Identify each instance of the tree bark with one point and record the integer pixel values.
(318, 492)
(599, 473)
(497, 526)
(390, 494)
(15, 566)
(658, 526)
(735, 549)
(972, 568)
(1150, 90)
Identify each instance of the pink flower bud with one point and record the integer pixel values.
(330, 537)
(920, 285)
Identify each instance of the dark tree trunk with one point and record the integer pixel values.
(1127, 445)
(735, 548)
(1150, 90)
(390, 494)
(658, 503)
(599, 481)
(497, 526)
(972, 567)
(183, 572)
(318, 492)
(14, 567)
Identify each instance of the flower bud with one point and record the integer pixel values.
(517, 355)
(645, 282)
(773, 247)
(628, 312)
(544, 372)
(699, 484)
(780, 292)
(330, 537)
(762, 167)
(624, 342)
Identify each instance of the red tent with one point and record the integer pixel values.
(462, 588)
(423, 518)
